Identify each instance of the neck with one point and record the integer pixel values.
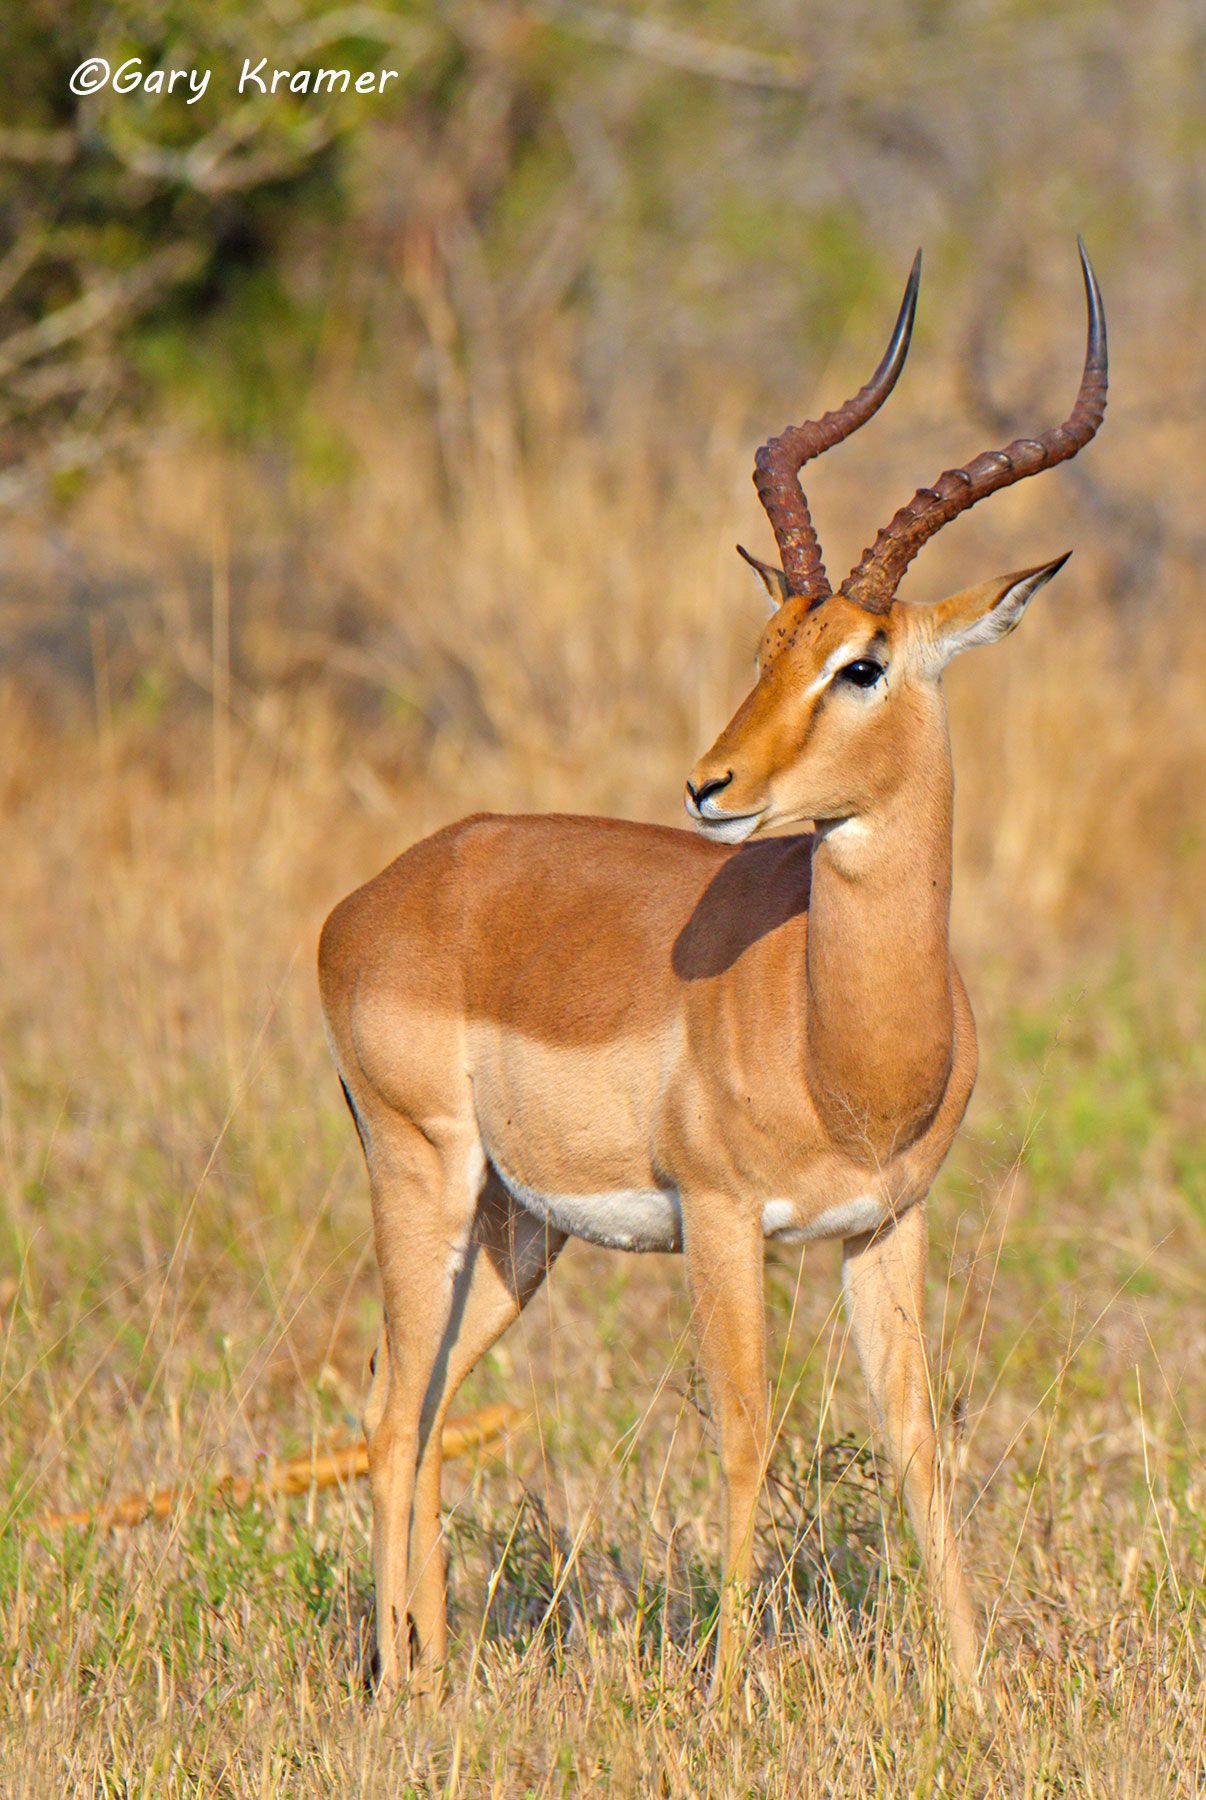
(880, 1019)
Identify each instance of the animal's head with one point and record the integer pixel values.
(847, 682)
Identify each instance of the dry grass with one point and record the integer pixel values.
(272, 706)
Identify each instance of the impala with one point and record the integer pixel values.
(653, 1039)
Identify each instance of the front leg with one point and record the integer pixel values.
(724, 1252)
(883, 1274)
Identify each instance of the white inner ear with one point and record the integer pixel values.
(771, 591)
(998, 621)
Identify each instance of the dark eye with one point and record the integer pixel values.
(863, 674)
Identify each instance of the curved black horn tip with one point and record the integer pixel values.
(898, 347)
(1096, 356)
(908, 306)
(914, 281)
(908, 311)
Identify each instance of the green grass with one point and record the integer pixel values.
(223, 1652)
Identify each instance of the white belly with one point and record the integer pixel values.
(652, 1218)
(849, 1218)
(624, 1219)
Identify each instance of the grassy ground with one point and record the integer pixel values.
(186, 1276)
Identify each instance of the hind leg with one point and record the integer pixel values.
(509, 1256)
(424, 1195)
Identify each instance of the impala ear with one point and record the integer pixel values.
(772, 579)
(981, 615)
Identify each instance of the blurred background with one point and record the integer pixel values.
(369, 460)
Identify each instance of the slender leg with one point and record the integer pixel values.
(423, 1203)
(724, 1272)
(884, 1280)
(509, 1256)
(374, 1406)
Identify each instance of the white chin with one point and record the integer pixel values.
(730, 831)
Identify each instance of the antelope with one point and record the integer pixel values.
(654, 1039)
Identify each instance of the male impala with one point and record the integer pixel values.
(655, 1040)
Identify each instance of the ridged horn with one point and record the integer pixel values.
(872, 583)
(779, 461)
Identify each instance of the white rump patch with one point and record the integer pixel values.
(624, 1219)
(781, 1220)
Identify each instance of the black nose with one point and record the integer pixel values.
(708, 788)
